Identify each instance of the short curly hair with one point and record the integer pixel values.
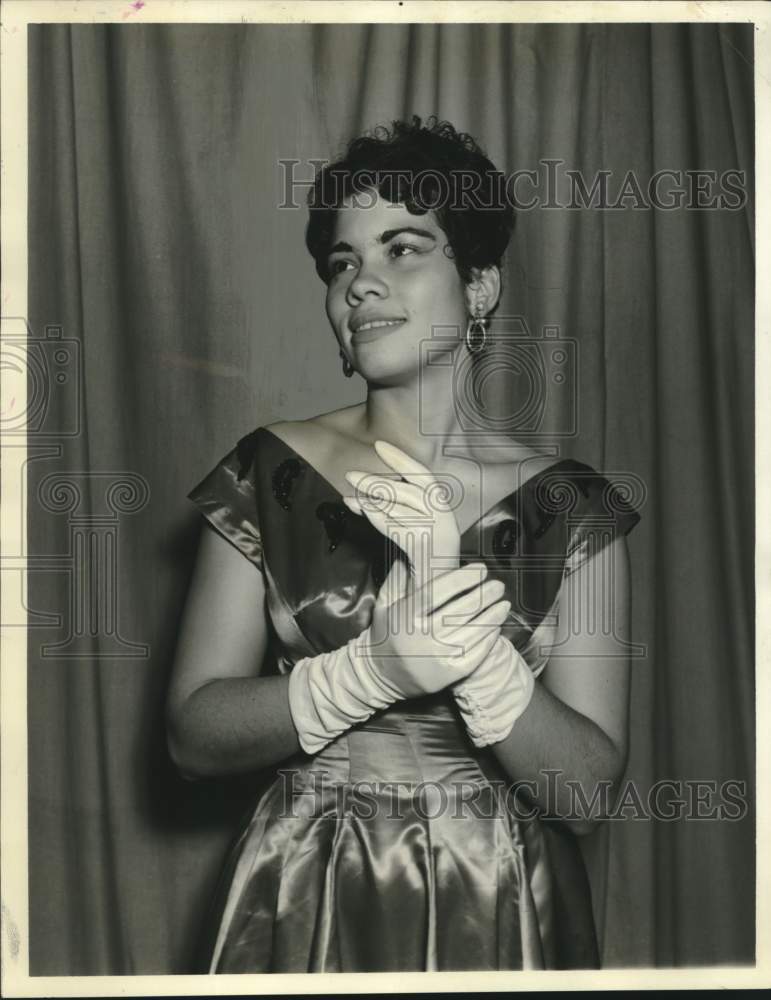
(426, 167)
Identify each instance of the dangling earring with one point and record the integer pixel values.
(348, 368)
(476, 328)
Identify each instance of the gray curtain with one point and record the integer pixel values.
(157, 245)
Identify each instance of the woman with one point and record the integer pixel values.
(411, 581)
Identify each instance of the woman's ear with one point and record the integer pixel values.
(483, 291)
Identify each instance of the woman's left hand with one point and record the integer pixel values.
(415, 514)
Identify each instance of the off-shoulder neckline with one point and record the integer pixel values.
(503, 501)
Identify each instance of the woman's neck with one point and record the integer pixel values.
(420, 417)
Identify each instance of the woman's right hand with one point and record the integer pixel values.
(421, 640)
(413, 512)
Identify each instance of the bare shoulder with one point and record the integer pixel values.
(320, 430)
(344, 422)
(290, 431)
(319, 435)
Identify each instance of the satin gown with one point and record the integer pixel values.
(400, 846)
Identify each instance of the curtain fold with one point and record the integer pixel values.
(158, 245)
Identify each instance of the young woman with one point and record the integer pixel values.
(441, 700)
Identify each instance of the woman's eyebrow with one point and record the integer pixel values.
(390, 233)
(342, 247)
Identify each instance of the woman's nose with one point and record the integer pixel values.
(368, 281)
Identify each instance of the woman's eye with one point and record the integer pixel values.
(338, 266)
(402, 249)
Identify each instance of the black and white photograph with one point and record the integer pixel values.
(379, 496)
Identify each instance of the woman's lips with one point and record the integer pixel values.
(375, 332)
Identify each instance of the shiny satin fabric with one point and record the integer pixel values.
(400, 846)
(390, 850)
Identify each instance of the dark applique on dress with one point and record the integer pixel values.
(283, 481)
(506, 537)
(246, 449)
(334, 517)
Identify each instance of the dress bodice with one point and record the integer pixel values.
(324, 565)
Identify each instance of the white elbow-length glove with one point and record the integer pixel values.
(499, 689)
(408, 650)
(493, 697)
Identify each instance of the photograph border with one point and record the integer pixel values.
(16, 15)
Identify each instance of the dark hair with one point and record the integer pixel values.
(426, 167)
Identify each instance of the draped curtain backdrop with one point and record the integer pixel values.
(157, 244)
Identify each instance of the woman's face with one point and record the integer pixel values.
(390, 283)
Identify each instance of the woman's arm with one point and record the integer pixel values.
(222, 716)
(577, 720)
